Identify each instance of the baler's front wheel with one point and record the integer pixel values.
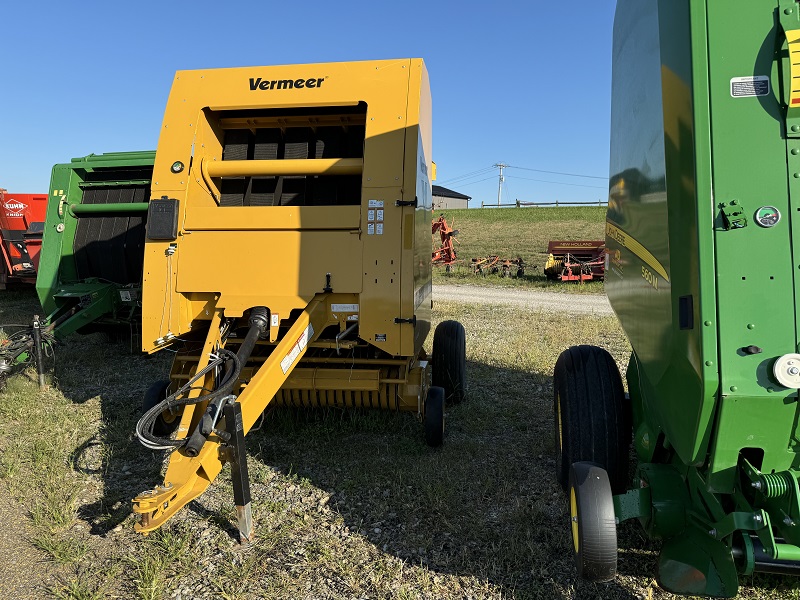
(450, 360)
(434, 417)
(592, 422)
(594, 530)
(166, 422)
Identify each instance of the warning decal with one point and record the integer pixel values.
(298, 347)
(746, 87)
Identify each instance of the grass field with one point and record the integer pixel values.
(519, 233)
(346, 504)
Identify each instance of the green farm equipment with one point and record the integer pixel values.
(702, 271)
(90, 269)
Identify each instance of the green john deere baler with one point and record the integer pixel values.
(703, 271)
(90, 269)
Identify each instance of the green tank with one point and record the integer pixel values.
(90, 268)
(704, 275)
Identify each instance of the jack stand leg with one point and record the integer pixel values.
(241, 479)
(37, 349)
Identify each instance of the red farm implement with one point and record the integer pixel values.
(575, 260)
(505, 267)
(446, 253)
(21, 227)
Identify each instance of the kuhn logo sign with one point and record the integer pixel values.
(14, 208)
(284, 84)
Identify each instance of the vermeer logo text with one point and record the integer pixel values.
(284, 84)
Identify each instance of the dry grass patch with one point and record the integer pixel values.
(519, 232)
(347, 504)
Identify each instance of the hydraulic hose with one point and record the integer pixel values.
(144, 428)
(259, 324)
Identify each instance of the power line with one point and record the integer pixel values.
(474, 182)
(557, 173)
(598, 187)
(468, 175)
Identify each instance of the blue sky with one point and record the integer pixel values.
(523, 83)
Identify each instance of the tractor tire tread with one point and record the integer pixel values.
(595, 420)
(450, 361)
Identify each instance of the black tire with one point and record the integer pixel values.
(450, 360)
(434, 417)
(167, 422)
(592, 421)
(594, 530)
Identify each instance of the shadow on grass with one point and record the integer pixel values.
(107, 373)
(486, 504)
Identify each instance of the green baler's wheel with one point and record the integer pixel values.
(166, 422)
(594, 530)
(591, 418)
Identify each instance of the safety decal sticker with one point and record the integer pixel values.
(627, 241)
(298, 347)
(376, 203)
(747, 87)
(344, 308)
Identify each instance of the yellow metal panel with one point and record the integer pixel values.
(243, 270)
(244, 218)
(254, 269)
(310, 166)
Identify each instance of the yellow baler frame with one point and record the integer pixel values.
(382, 280)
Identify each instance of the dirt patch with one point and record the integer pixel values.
(24, 570)
(556, 302)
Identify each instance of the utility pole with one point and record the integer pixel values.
(500, 166)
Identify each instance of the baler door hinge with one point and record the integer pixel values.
(733, 215)
(406, 203)
(412, 320)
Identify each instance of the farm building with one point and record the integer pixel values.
(444, 198)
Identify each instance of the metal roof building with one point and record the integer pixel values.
(444, 198)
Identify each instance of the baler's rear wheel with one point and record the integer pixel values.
(434, 417)
(592, 422)
(450, 360)
(166, 422)
(594, 530)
